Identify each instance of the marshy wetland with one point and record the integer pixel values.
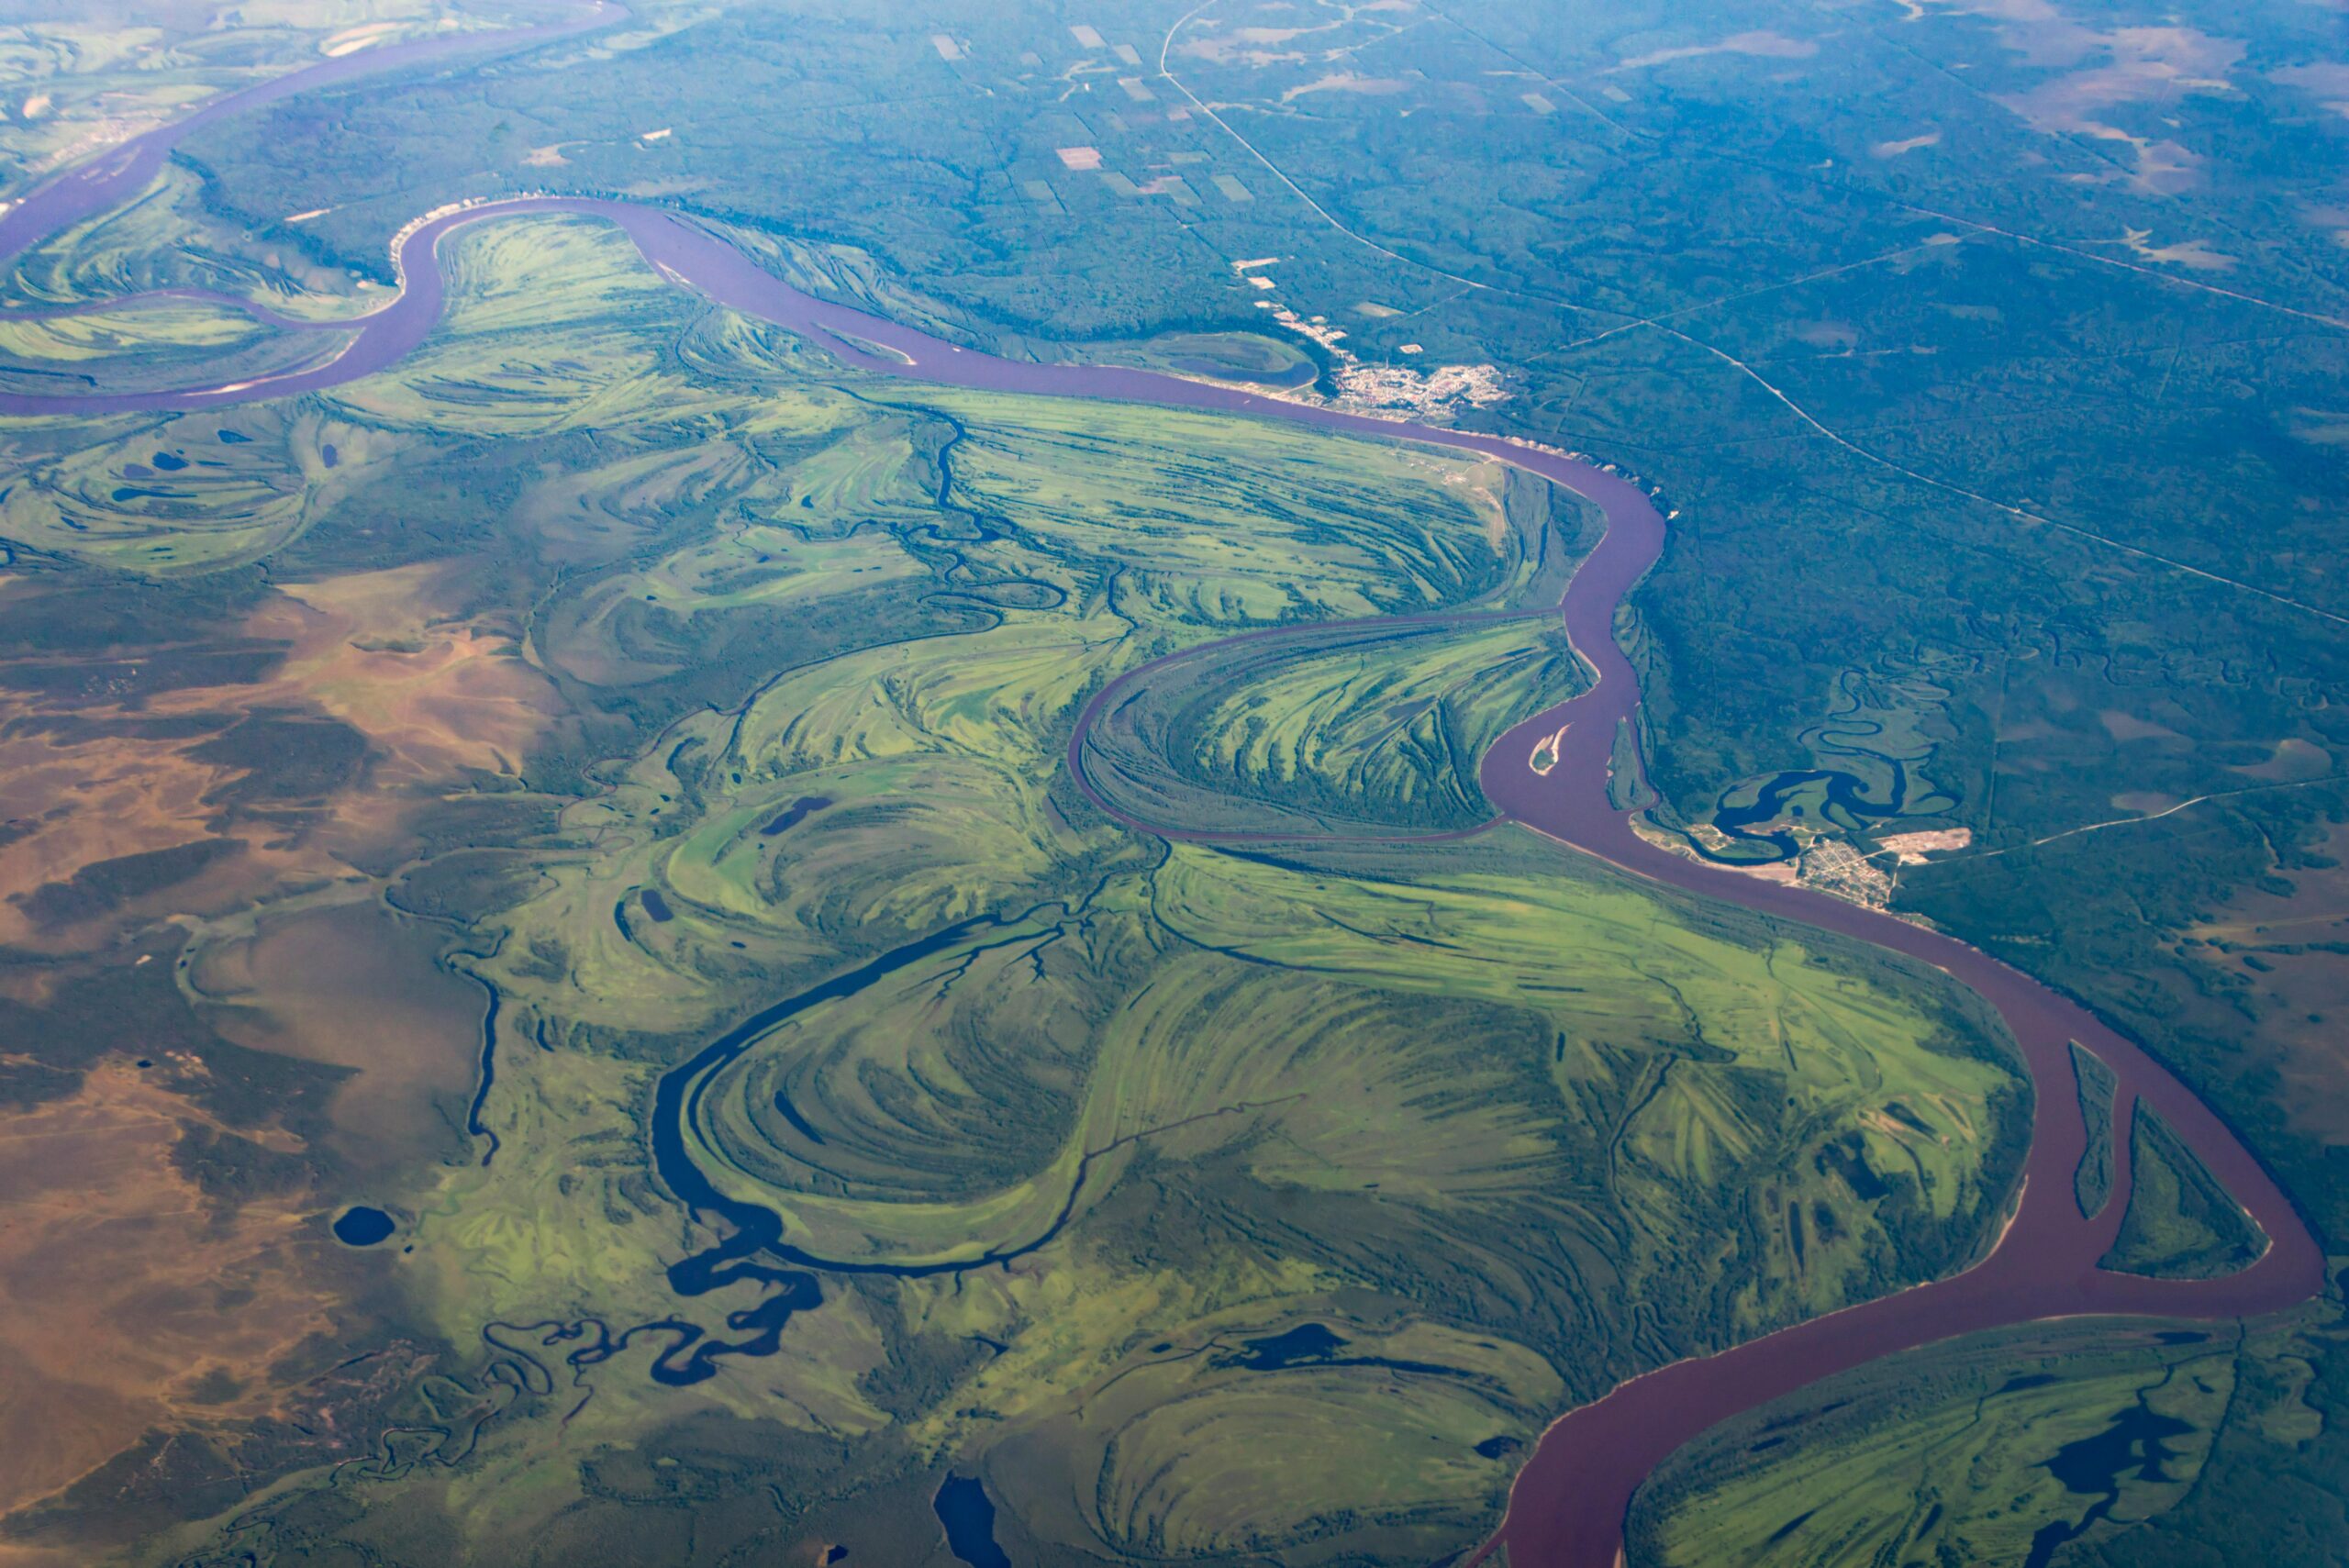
(752, 930)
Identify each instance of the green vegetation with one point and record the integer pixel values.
(1946, 530)
(78, 77)
(169, 343)
(702, 672)
(230, 487)
(1362, 728)
(1219, 356)
(2181, 1224)
(1987, 505)
(2092, 1183)
(2048, 1445)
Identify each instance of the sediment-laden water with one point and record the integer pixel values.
(1566, 1509)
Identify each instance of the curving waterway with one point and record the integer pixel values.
(1568, 1508)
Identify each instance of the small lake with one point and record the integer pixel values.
(968, 1514)
(798, 812)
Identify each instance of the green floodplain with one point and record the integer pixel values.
(618, 668)
(1479, 1111)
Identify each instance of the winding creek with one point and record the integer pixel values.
(1568, 1508)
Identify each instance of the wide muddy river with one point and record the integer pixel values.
(1568, 1508)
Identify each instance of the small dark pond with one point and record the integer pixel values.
(359, 1226)
(796, 812)
(785, 1109)
(1302, 1346)
(1315, 1344)
(657, 906)
(1846, 1158)
(968, 1514)
(1906, 1117)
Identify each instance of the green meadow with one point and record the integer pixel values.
(644, 668)
(1995, 1449)
(1317, 1178)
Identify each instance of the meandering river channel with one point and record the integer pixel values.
(1568, 1508)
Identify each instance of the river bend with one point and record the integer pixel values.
(1568, 1508)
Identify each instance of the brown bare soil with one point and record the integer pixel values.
(433, 696)
(1912, 849)
(134, 1300)
(355, 987)
(124, 1294)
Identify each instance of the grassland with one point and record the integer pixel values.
(2092, 1183)
(181, 495)
(79, 79)
(1363, 728)
(2015, 1447)
(689, 672)
(1988, 501)
(178, 339)
(2181, 1223)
